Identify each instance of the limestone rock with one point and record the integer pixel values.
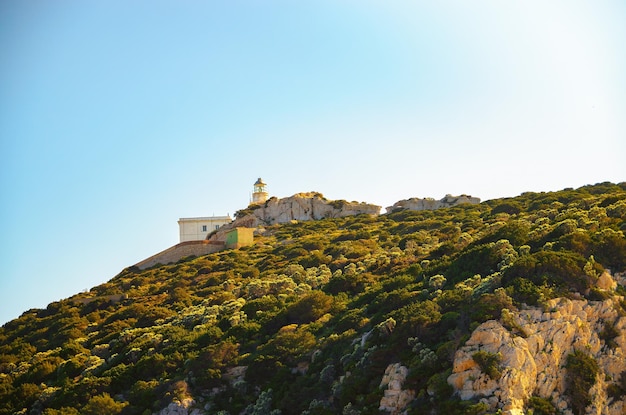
(535, 365)
(180, 408)
(395, 398)
(299, 207)
(432, 204)
(309, 206)
(606, 282)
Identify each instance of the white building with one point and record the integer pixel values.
(197, 229)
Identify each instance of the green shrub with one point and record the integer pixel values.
(63, 411)
(103, 405)
(310, 307)
(476, 409)
(582, 370)
(560, 269)
(525, 291)
(617, 390)
(489, 306)
(489, 363)
(511, 207)
(289, 346)
(541, 406)
(144, 393)
(481, 259)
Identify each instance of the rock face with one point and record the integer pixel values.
(299, 207)
(432, 204)
(534, 365)
(180, 408)
(309, 206)
(395, 399)
(606, 282)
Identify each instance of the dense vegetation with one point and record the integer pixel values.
(316, 311)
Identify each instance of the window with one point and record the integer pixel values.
(217, 227)
(203, 228)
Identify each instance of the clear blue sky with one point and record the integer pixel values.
(119, 117)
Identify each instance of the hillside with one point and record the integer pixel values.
(512, 305)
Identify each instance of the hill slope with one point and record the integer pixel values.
(440, 311)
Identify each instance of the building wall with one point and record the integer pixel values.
(197, 229)
(182, 250)
(239, 237)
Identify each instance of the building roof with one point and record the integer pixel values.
(206, 218)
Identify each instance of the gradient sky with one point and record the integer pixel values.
(118, 117)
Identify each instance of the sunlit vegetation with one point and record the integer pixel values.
(315, 311)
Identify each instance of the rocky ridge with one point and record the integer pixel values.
(183, 407)
(314, 206)
(428, 203)
(299, 207)
(533, 360)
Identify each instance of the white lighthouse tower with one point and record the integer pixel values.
(260, 193)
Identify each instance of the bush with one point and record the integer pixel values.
(489, 363)
(310, 307)
(541, 406)
(515, 231)
(481, 259)
(289, 346)
(617, 390)
(490, 306)
(582, 370)
(144, 393)
(560, 269)
(415, 319)
(511, 208)
(63, 411)
(103, 405)
(525, 291)
(609, 333)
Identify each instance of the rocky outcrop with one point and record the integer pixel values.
(395, 398)
(606, 282)
(181, 408)
(432, 204)
(299, 207)
(534, 365)
(309, 206)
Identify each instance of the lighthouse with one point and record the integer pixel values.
(260, 193)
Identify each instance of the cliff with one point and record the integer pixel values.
(534, 346)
